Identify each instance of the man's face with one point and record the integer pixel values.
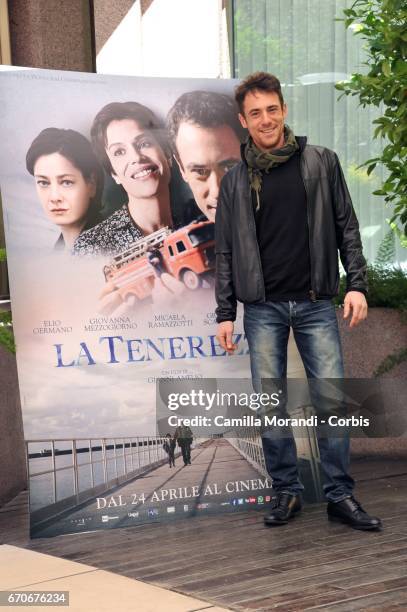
(138, 161)
(264, 117)
(204, 156)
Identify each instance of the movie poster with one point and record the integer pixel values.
(109, 188)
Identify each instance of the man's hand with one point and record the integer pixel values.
(224, 335)
(355, 301)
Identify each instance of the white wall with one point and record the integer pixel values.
(174, 38)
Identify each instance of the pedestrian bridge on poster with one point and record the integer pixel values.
(226, 475)
(218, 477)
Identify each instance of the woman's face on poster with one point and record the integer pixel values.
(63, 191)
(138, 161)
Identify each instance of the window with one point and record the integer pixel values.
(180, 246)
(202, 234)
(301, 43)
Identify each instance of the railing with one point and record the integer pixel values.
(247, 441)
(110, 462)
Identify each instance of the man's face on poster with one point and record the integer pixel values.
(204, 155)
(138, 161)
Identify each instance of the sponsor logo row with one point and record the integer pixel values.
(153, 512)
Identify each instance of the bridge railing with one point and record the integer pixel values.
(64, 473)
(247, 441)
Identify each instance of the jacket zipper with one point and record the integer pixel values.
(253, 223)
(312, 294)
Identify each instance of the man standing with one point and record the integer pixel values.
(205, 135)
(184, 437)
(283, 214)
(169, 447)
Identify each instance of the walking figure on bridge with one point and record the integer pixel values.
(169, 447)
(184, 436)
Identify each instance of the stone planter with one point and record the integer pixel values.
(13, 477)
(364, 348)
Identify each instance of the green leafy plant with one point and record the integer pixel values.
(6, 327)
(6, 332)
(382, 24)
(387, 250)
(387, 287)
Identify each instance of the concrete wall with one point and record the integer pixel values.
(162, 38)
(108, 16)
(51, 34)
(12, 453)
(364, 348)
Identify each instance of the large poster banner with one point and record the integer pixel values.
(109, 188)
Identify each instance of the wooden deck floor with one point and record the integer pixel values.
(234, 561)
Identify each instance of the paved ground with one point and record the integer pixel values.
(87, 587)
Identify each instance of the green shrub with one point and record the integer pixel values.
(387, 287)
(386, 253)
(6, 332)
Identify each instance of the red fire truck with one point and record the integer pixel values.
(188, 254)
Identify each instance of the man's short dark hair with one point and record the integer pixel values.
(118, 111)
(206, 109)
(258, 81)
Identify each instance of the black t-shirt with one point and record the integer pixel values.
(282, 233)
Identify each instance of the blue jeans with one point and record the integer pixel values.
(267, 326)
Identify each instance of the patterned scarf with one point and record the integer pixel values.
(259, 162)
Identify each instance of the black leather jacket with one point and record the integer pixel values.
(332, 225)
